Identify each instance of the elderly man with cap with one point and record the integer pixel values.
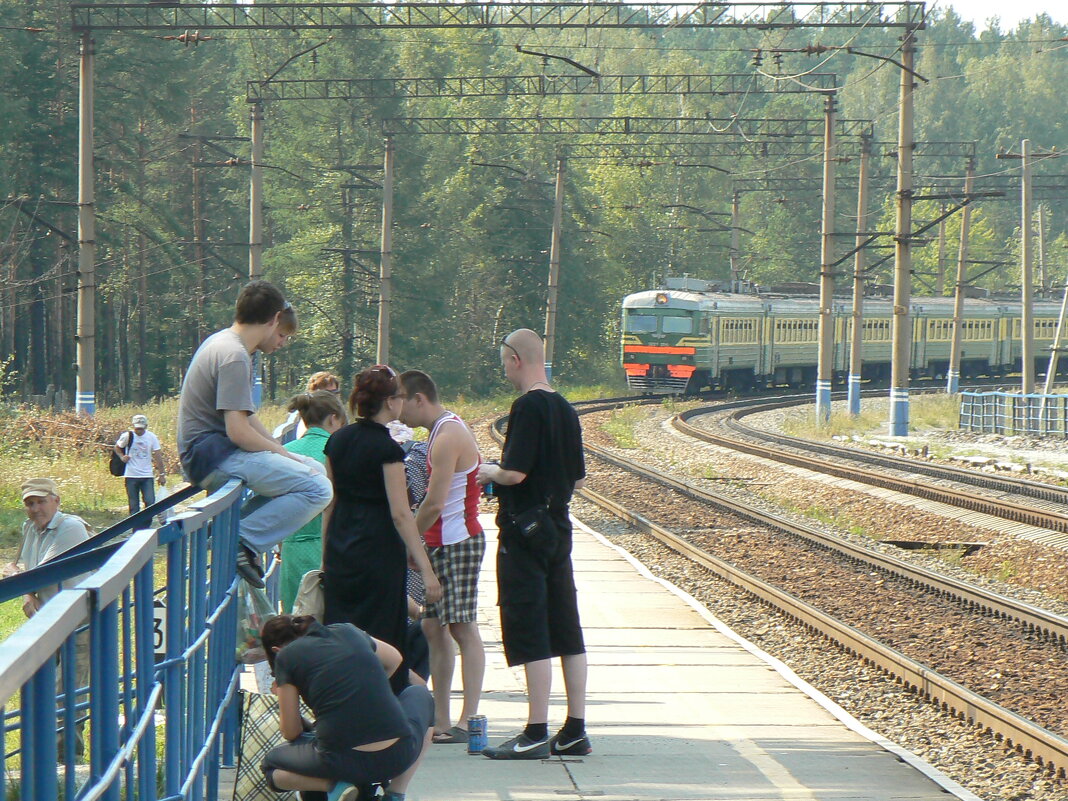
(45, 535)
(139, 449)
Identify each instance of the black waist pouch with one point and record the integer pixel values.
(537, 532)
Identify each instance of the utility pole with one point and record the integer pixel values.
(85, 392)
(957, 337)
(347, 288)
(554, 267)
(736, 234)
(825, 359)
(1058, 345)
(856, 353)
(255, 197)
(1027, 313)
(385, 289)
(940, 278)
(255, 231)
(1043, 278)
(198, 234)
(902, 335)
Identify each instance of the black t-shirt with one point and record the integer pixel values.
(544, 441)
(357, 453)
(338, 675)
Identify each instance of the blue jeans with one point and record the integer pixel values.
(137, 488)
(288, 494)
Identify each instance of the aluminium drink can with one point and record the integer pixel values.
(478, 732)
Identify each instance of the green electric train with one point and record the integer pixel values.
(692, 335)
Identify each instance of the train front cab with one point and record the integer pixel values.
(665, 336)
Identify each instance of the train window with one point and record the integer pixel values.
(677, 325)
(639, 324)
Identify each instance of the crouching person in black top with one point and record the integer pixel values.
(363, 734)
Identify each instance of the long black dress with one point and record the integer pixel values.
(365, 560)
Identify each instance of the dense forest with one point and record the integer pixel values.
(472, 213)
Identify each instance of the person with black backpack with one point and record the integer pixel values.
(135, 453)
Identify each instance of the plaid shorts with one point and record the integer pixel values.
(457, 567)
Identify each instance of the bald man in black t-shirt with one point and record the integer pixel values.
(541, 465)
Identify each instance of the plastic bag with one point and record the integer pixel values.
(309, 600)
(254, 608)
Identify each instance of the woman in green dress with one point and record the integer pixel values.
(322, 414)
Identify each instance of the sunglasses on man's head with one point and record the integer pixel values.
(385, 368)
(511, 348)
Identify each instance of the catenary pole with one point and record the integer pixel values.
(385, 269)
(1027, 315)
(85, 391)
(901, 332)
(856, 354)
(554, 267)
(255, 197)
(1058, 344)
(1043, 276)
(957, 335)
(255, 231)
(825, 331)
(736, 233)
(940, 278)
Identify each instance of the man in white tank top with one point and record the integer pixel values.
(448, 520)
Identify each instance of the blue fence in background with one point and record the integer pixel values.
(137, 661)
(1013, 413)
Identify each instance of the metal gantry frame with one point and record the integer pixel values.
(153, 16)
(721, 84)
(90, 18)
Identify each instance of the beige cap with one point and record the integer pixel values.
(139, 421)
(39, 487)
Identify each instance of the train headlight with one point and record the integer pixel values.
(661, 298)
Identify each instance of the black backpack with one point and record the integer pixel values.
(117, 466)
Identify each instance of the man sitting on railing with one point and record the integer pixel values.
(220, 437)
(45, 536)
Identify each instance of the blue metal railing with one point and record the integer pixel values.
(110, 613)
(1013, 413)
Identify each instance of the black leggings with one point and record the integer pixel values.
(304, 756)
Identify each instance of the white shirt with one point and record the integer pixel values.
(140, 453)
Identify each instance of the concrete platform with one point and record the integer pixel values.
(679, 709)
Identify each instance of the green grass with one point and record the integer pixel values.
(620, 426)
(926, 412)
(825, 516)
(803, 424)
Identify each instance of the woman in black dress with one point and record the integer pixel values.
(369, 530)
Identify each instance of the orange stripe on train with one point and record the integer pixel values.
(657, 349)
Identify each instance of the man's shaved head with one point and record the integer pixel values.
(527, 344)
(523, 359)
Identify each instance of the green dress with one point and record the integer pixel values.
(303, 549)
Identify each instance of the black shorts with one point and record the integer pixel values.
(536, 594)
(305, 757)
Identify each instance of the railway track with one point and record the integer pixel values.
(1018, 500)
(1033, 740)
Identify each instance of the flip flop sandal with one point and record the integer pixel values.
(453, 735)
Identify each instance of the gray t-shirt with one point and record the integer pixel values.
(219, 379)
(61, 534)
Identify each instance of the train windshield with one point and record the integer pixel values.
(677, 325)
(640, 324)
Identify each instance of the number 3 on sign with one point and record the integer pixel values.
(159, 628)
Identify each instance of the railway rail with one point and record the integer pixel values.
(1033, 740)
(1029, 502)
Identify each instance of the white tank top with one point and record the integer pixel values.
(459, 516)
